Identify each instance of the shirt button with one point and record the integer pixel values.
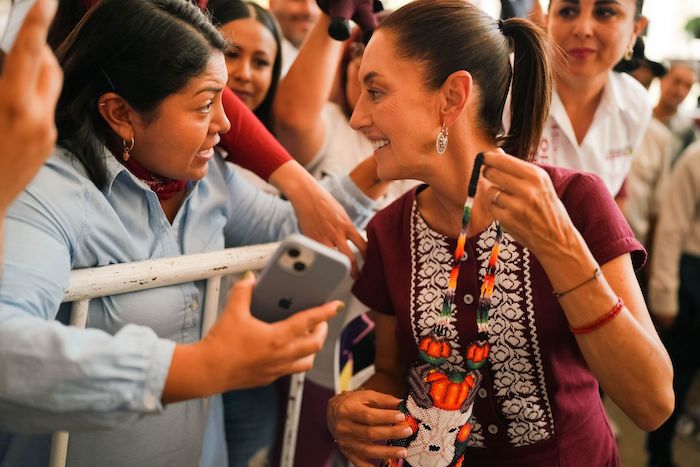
(468, 299)
(482, 393)
(493, 429)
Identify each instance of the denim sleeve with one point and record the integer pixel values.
(54, 376)
(258, 217)
(358, 205)
(254, 216)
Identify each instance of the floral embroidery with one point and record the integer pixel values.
(516, 361)
(430, 270)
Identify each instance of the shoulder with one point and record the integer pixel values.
(595, 215)
(658, 130)
(570, 183)
(56, 202)
(691, 155)
(62, 179)
(631, 98)
(688, 163)
(388, 224)
(629, 91)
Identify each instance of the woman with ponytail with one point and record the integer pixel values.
(503, 291)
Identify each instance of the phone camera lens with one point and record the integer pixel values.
(294, 253)
(299, 266)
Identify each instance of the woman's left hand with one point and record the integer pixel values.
(320, 216)
(523, 199)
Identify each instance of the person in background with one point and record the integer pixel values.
(296, 18)
(675, 87)
(501, 370)
(598, 116)
(674, 296)
(135, 177)
(30, 84)
(651, 163)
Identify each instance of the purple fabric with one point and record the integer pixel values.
(539, 404)
(315, 445)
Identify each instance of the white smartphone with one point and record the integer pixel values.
(301, 274)
(12, 14)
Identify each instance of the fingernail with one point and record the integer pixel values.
(340, 308)
(248, 274)
(400, 417)
(406, 432)
(403, 453)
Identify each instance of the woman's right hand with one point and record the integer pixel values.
(360, 420)
(240, 351)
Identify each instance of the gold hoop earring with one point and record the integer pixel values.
(126, 149)
(442, 140)
(629, 53)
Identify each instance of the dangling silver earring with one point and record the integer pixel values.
(126, 148)
(442, 140)
(629, 53)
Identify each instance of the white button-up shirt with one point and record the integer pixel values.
(617, 128)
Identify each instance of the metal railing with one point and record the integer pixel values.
(86, 284)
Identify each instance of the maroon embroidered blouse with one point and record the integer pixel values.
(538, 404)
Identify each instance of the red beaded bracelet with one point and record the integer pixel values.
(619, 305)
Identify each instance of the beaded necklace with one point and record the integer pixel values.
(439, 405)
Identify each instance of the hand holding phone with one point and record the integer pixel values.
(301, 274)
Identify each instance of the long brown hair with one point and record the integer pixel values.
(452, 35)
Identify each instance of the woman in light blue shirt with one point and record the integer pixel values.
(136, 177)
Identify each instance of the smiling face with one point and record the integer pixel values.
(594, 34)
(177, 140)
(250, 60)
(396, 110)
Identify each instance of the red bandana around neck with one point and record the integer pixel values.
(164, 187)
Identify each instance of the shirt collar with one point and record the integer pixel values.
(613, 100)
(113, 168)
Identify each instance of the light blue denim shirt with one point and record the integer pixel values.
(109, 376)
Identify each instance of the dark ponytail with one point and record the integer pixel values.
(531, 88)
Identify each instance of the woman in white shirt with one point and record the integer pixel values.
(598, 116)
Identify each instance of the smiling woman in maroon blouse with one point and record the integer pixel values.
(490, 351)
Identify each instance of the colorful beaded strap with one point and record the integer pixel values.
(439, 405)
(479, 352)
